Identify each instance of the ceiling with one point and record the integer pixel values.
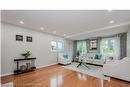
(71, 24)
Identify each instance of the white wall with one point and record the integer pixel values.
(40, 47)
(0, 49)
(128, 43)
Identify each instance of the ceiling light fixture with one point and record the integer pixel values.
(42, 28)
(111, 22)
(64, 34)
(21, 22)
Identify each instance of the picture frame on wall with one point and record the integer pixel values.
(93, 44)
(28, 39)
(19, 37)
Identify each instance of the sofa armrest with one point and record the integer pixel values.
(118, 69)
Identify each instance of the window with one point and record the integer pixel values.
(81, 48)
(60, 46)
(110, 47)
(53, 45)
(56, 46)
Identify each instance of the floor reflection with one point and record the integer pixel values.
(102, 83)
(56, 81)
(81, 77)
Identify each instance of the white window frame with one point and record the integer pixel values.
(57, 49)
(62, 46)
(51, 46)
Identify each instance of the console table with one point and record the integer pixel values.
(19, 71)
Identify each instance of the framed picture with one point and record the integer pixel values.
(19, 37)
(28, 39)
(93, 44)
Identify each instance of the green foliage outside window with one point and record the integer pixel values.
(81, 48)
(107, 47)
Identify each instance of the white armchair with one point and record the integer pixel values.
(64, 58)
(118, 69)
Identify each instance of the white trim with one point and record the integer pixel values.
(99, 29)
(36, 68)
(6, 74)
(46, 65)
(31, 29)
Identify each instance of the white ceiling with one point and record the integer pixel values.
(76, 24)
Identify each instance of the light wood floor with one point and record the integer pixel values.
(57, 76)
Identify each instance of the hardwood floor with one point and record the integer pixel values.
(57, 76)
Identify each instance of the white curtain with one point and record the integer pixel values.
(117, 47)
(81, 47)
(110, 47)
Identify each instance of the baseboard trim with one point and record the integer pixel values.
(46, 65)
(7, 74)
(117, 78)
(36, 69)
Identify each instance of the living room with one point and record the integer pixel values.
(65, 48)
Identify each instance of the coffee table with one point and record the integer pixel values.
(83, 63)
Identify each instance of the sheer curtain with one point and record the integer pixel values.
(81, 48)
(110, 47)
(117, 47)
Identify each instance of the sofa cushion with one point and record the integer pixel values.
(98, 56)
(65, 55)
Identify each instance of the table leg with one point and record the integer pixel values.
(79, 64)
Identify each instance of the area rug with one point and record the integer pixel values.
(95, 71)
(10, 84)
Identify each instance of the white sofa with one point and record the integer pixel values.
(118, 69)
(63, 60)
(90, 58)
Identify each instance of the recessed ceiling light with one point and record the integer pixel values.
(21, 22)
(54, 32)
(42, 28)
(111, 22)
(64, 34)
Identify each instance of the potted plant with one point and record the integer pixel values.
(26, 54)
(77, 54)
